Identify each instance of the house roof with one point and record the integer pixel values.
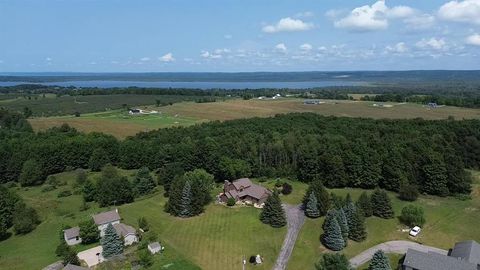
(74, 267)
(72, 232)
(242, 182)
(249, 189)
(154, 245)
(106, 217)
(467, 250)
(434, 261)
(123, 229)
(255, 191)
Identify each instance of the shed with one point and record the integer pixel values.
(154, 247)
(72, 236)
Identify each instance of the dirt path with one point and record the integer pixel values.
(399, 247)
(295, 220)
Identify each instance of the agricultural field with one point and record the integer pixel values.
(187, 113)
(219, 238)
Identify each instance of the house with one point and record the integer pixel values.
(128, 233)
(154, 247)
(74, 267)
(312, 102)
(72, 236)
(464, 256)
(103, 219)
(134, 111)
(244, 190)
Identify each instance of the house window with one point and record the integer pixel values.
(76, 238)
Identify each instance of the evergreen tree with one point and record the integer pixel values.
(113, 189)
(273, 212)
(342, 221)
(81, 177)
(32, 173)
(382, 206)
(68, 255)
(332, 234)
(337, 201)
(143, 182)
(8, 200)
(408, 192)
(98, 160)
(357, 230)
(111, 243)
(143, 224)
(365, 204)
(89, 191)
(311, 209)
(167, 174)
(89, 232)
(349, 210)
(323, 198)
(379, 262)
(333, 261)
(186, 201)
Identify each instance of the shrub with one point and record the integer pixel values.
(253, 259)
(25, 219)
(412, 216)
(334, 261)
(10, 185)
(408, 192)
(278, 183)
(286, 188)
(48, 188)
(64, 193)
(231, 202)
(143, 224)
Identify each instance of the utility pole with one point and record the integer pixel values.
(244, 262)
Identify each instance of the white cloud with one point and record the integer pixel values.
(222, 51)
(145, 59)
(167, 58)
(398, 48)
(432, 43)
(288, 25)
(401, 12)
(461, 11)
(420, 22)
(208, 55)
(306, 47)
(473, 40)
(281, 47)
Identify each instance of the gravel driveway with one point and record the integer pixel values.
(399, 247)
(295, 220)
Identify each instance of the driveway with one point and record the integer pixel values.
(399, 247)
(295, 220)
(90, 256)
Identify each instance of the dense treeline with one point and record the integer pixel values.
(426, 155)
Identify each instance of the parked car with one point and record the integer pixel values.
(415, 231)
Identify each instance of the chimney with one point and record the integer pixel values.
(116, 210)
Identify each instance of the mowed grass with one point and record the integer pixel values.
(393, 258)
(448, 220)
(187, 113)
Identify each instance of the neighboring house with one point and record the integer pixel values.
(128, 233)
(154, 247)
(74, 267)
(72, 236)
(103, 219)
(244, 190)
(135, 111)
(464, 256)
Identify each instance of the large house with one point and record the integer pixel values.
(72, 236)
(464, 256)
(245, 191)
(103, 219)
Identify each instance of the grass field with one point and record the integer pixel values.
(393, 258)
(234, 109)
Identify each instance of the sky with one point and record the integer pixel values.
(238, 35)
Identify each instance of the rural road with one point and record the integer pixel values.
(398, 247)
(295, 220)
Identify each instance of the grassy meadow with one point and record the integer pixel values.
(188, 113)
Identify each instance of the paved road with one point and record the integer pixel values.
(295, 220)
(398, 247)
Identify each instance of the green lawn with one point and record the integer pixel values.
(393, 258)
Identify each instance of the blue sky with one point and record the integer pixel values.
(238, 35)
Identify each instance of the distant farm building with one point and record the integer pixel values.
(432, 105)
(312, 102)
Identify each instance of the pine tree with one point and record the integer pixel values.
(334, 261)
(311, 209)
(111, 242)
(323, 198)
(332, 235)
(186, 201)
(379, 262)
(89, 191)
(143, 181)
(349, 210)
(357, 230)
(382, 206)
(342, 221)
(365, 204)
(98, 159)
(272, 212)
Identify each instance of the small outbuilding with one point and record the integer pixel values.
(128, 233)
(72, 236)
(154, 247)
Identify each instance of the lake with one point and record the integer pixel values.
(194, 85)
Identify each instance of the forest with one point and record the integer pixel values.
(430, 156)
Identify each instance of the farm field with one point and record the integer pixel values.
(235, 109)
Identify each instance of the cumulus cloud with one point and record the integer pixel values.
(288, 25)
(400, 12)
(432, 43)
(398, 48)
(473, 40)
(281, 47)
(420, 22)
(167, 58)
(306, 47)
(461, 11)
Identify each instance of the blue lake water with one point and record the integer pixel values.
(195, 85)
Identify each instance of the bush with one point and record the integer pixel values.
(278, 183)
(412, 216)
(231, 202)
(253, 259)
(48, 188)
(286, 188)
(10, 185)
(408, 192)
(64, 193)
(25, 219)
(143, 224)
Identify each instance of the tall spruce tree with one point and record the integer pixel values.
(379, 262)
(334, 261)
(323, 198)
(342, 221)
(111, 243)
(143, 181)
(349, 209)
(365, 204)
(332, 234)
(357, 230)
(186, 201)
(272, 212)
(382, 206)
(311, 209)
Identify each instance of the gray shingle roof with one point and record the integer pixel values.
(467, 250)
(434, 261)
(123, 229)
(242, 182)
(106, 217)
(154, 245)
(249, 189)
(74, 267)
(72, 232)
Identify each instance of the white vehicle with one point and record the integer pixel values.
(415, 231)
